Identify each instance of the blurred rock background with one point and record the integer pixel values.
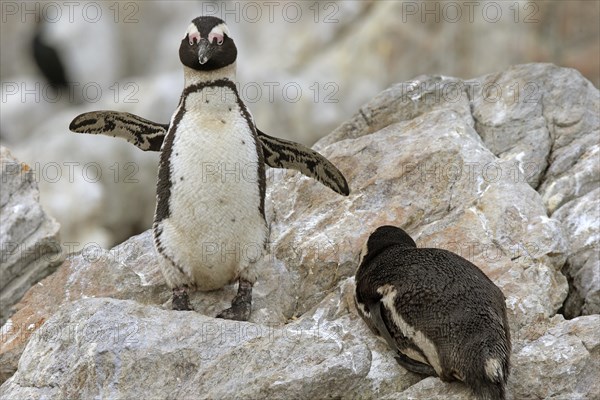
(303, 68)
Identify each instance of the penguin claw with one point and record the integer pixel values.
(241, 306)
(237, 312)
(181, 300)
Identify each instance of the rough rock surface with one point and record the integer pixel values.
(414, 158)
(28, 236)
(580, 218)
(550, 130)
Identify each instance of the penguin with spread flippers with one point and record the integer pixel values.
(209, 225)
(440, 314)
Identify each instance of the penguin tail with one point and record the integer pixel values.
(491, 385)
(486, 390)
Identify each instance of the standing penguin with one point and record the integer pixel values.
(209, 225)
(440, 313)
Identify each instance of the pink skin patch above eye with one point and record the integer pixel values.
(212, 36)
(194, 38)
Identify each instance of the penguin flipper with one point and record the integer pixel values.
(280, 153)
(414, 366)
(145, 134)
(375, 316)
(403, 360)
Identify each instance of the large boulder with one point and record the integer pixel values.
(29, 238)
(414, 157)
(550, 132)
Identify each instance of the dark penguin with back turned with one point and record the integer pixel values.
(209, 225)
(440, 313)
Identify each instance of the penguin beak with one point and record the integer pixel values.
(205, 51)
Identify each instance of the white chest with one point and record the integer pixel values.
(214, 146)
(215, 200)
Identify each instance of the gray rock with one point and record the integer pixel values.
(28, 236)
(101, 344)
(122, 349)
(545, 119)
(413, 158)
(433, 176)
(542, 122)
(128, 271)
(433, 388)
(563, 356)
(337, 312)
(403, 102)
(572, 110)
(509, 116)
(581, 219)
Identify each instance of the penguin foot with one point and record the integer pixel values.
(414, 366)
(241, 304)
(181, 300)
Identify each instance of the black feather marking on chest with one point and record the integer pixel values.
(163, 187)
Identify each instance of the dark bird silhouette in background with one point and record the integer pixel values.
(48, 59)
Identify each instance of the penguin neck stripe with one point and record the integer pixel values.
(224, 82)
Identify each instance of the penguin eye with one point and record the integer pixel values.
(194, 38)
(213, 36)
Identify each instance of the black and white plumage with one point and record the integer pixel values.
(209, 225)
(144, 134)
(149, 136)
(440, 313)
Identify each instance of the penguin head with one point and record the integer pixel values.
(382, 238)
(207, 45)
